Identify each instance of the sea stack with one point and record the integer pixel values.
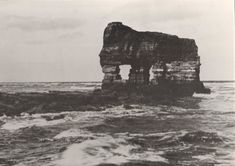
(173, 61)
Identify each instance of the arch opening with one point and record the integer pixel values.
(124, 71)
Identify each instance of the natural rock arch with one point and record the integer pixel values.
(173, 60)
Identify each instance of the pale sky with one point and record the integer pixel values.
(60, 40)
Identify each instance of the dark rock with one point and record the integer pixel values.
(174, 61)
(200, 88)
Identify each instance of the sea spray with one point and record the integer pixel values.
(106, 150)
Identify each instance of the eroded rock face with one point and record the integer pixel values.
(171, 59)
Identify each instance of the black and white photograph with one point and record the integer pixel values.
(117, 83)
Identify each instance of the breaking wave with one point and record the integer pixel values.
(84, 118)
(106, 150)
(49, 119)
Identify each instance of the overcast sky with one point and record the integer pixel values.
(60, 40)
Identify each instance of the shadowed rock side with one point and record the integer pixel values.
(173, 61)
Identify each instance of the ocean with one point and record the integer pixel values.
(200, 131)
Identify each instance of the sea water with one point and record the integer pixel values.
(198, 130)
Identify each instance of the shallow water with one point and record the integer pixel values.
(200, 130)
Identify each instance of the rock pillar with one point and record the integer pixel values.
(111, 74)
(139, 75)
(158, 70)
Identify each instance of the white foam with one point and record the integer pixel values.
(162, 135)
(16, 124)
(119, 111)
(208, 96)
(107, 150)
(206, 157)
(87, 118)
(26, 120)
(73, 133)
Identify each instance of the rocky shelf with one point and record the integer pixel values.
(62, 101)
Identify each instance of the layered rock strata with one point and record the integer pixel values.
(172, 60)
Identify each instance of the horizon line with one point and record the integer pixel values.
(93, 81)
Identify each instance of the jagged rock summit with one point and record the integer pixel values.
(174, 61)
